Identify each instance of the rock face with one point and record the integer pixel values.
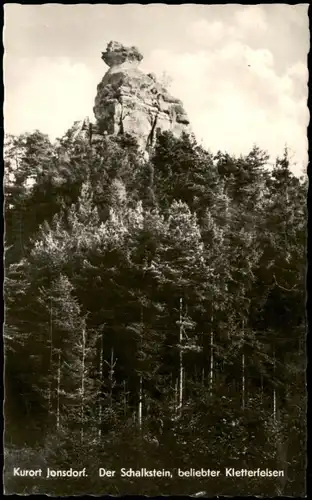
(86, 131)
(130, 101)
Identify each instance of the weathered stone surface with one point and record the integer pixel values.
(130, 101)
(86, 131)
(116, 54)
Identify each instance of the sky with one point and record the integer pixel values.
(241, 71)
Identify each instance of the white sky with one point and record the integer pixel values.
(241, 71)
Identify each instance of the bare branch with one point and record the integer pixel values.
(282, 287)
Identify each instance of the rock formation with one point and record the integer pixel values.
(130, 101)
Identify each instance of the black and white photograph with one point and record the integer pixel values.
(155, 243)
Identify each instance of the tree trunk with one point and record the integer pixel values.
(282, 454)
(181, 381)
(58, 391)
(176, 400)
(243, 370)
(274, 405)
(51, 360)
(101, 388)
(274, 390)
(83, 382)
(211, 361)
(181, 360)
(125, 403)
(111, 378)
(140, 404)
(243, 381)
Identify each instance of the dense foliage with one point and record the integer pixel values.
(155, 315)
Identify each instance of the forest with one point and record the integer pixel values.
(155, 315)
